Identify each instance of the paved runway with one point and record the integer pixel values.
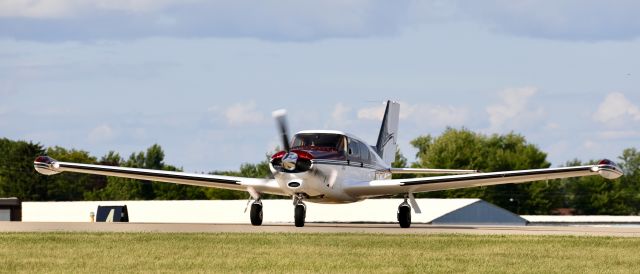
(320, 228)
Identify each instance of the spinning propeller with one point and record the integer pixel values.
(295, 160)
(289, 158)
(291, 161)
(281, 120)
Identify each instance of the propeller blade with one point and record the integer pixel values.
(281, 120)
(332, 178)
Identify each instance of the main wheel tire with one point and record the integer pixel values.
(299, 215)
(404, 216)
(256, 214)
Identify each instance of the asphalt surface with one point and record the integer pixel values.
(615, 231)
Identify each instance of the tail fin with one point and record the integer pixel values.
(388, 137)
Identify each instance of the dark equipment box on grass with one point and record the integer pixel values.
(112, 214)
(10, 209)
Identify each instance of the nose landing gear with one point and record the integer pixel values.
(300, 211)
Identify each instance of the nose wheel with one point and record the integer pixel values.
(300, 211)
(256, 213)
(404, 214)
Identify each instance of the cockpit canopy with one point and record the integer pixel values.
(321, 145)
(333, 146)
(319, 141)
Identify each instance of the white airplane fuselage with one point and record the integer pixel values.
(323, 182)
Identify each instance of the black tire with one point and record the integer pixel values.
(256, 214)
(299, 215)
(404, 216)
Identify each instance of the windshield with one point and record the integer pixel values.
(319, 141)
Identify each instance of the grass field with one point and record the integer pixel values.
(337, 253)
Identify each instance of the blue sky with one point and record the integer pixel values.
(202, 77)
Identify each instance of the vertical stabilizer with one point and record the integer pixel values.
(388, 138)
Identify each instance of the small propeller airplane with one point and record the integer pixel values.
(327, 166)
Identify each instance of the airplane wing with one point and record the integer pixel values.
(48, 166)
(604, 168)
(431, 171)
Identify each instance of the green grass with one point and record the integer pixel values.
(236, 252)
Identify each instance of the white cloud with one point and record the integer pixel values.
(340, 112)
(138, 5)
(70, 8)
(564, 20)
(435, 115)
(102, 133)
(616, 109)
(36, 9)
(514, 107)
(340, 116)
(243, 113)
(552, 126)
(557, 148)
(373, 113)
(139, 134)
(619, 134)
(313, 20)
(270, 20)
(588, 144)
(421, 114)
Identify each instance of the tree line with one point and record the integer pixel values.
(453, 149)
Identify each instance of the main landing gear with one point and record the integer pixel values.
(300, 212)
(404, 214)
(256, 213)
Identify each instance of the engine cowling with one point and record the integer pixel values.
(293, 161)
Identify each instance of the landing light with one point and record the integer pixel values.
(300, 153)
(278, 155)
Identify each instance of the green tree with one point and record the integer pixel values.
(132, 189)
(154, 159)
(595, 195)
(169, 191)
(464, 149)
(631, 180)
(17, 176)
(111, 159)
(400, 162)
(70, 186)
(259, 170)
(124, 188)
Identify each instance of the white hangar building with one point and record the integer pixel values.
(434, 211)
